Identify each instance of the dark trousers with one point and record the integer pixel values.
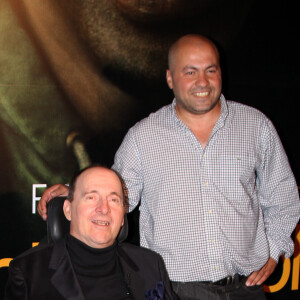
(209, 291)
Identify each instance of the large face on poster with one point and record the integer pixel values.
(109, 57)
(88, 69)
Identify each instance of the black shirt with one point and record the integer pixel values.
(98, 271)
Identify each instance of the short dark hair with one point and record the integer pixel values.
(73, 181)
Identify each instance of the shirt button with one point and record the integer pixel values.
(209, 211)
(205, 183)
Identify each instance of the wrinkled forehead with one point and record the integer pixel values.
(100, 179)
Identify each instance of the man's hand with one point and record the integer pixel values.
(50, 193)
(260, 276)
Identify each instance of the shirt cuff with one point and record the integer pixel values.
(275, 253)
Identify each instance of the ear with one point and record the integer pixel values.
(67, 209)
(169, 79)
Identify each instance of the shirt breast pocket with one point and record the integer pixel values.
(235, 176)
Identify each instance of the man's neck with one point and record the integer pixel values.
(200, 124)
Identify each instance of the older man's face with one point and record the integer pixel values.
(97, 211)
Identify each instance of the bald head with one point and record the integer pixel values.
(191, 40)
(194, 75)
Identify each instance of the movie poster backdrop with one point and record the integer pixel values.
(75, 75)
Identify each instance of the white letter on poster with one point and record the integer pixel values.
(34, 197)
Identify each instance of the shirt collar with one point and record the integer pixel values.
(221, 120)
(224, 110)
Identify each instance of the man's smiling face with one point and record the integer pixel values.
(97, 211)
(195, 75)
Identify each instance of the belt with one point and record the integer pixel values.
(226, 281)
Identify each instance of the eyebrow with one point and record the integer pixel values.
(90, 192)
(195, 68)
(212, 66)
(96, 192)
(116, 194)
(189, 67)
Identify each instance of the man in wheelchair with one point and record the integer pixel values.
(90, 262)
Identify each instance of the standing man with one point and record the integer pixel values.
(90, 263)
(218, 197)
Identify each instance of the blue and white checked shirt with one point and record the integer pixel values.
(216, 211)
